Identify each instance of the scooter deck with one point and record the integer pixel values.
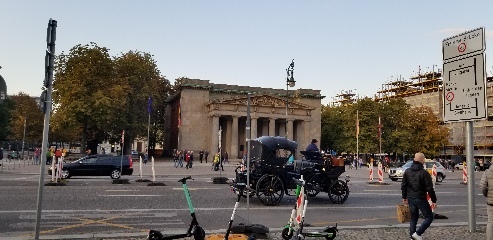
(231, 236)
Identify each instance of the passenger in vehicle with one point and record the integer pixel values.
(312, 146)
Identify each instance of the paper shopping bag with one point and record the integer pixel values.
(403, 213)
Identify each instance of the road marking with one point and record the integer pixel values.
(121, 190)
(193, 189)
(130, 195)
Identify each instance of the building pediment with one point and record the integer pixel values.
(263, 100)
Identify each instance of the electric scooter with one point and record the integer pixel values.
(194, 229)
(241, 188)
(328, 233)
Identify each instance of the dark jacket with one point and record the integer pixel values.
(416, 182)
(312, 147)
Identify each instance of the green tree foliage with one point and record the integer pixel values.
(85, 92)
(25, 109)
(404, 129)
(139, 77)
(5, 116)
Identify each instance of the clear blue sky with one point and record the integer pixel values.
(337, 45)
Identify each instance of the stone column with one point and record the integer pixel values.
(234, 139)
(290, 129)
(253, 127)
(306, 138)
(272, 127)
(214, 135)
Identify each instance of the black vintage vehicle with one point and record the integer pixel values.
(271, 172)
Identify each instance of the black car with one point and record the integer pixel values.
(98, 165)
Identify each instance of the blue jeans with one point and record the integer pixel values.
(416, 205)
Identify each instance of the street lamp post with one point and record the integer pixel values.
(290, 82)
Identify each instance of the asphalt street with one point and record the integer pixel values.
(93, 205)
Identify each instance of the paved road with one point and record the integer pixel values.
(95, 205)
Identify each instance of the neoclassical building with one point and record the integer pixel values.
(204, 115)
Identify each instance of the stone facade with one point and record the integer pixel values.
(200, 109)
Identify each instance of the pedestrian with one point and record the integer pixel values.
(215, 162)
(486, 186)
(360, 162)
(312, 146)
(206, 154)
(58, 155)
(175, 158)
(181, 155)
(226, 157)
(146, 158)
(201, 155)
(37, 152)
(416, 183)
(1, 153)
(48, 156)
(191, 159)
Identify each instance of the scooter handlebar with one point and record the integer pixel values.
(184, 180)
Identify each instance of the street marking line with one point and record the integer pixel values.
(193, 189)
(107, 195)
(121, 190)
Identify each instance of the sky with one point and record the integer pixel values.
(337, 46)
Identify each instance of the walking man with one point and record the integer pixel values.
(416, 182)
(486, 186)
(201, 155)
(206, 154)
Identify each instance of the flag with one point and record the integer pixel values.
(380, 125)
(149, 105)
(179, 116)
(357, 123)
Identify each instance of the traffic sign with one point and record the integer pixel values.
(464, 89)
(470, 42)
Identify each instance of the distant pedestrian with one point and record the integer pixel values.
(206, 155)
(175, 158)
(181, 155)
(360, 162)
(486, 186)
(37, 153)
(215, 162)
(201, 155)
(416, 183)
(226, 157)
(1, 153)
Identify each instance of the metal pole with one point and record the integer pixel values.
(287, 99)
(248, 136)
(471, 207)
(148, 130)
(24, 136)
(357, 137)
(51, 43)
(220, 152)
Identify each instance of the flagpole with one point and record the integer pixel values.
(357, 135)
(380, 137)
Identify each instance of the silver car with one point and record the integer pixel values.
(397, 173)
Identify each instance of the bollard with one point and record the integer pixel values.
(464, 174)
(380, 173)
(371, 172)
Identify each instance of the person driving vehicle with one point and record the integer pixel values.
(312, 146)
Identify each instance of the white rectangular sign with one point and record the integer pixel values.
(470, 42)
(464, 89)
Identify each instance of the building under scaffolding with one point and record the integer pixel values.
(425, 89)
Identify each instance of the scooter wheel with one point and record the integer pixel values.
(154, 235)
(199, 233)
(286, 234)
(332, 233)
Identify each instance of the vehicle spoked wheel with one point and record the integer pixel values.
(115, 174)
(338, 191)
(270, 189)
(65, 174)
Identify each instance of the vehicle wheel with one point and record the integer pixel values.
(394, 179)
(199, 233)
(154, 235)
(286, 234)
(270, 189)
(65, 174)
(331, 233)
(338, 191)
(313, 186)
(115, 174)
(439, 177)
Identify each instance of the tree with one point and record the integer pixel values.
(27, 111)
(85, 92)
(5, 117)
(139, 77)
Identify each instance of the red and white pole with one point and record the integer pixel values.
(380, 173)
(464, 174)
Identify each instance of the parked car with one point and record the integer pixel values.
(397, 173)
(459, 166)
(136, 155)
(98, 165)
